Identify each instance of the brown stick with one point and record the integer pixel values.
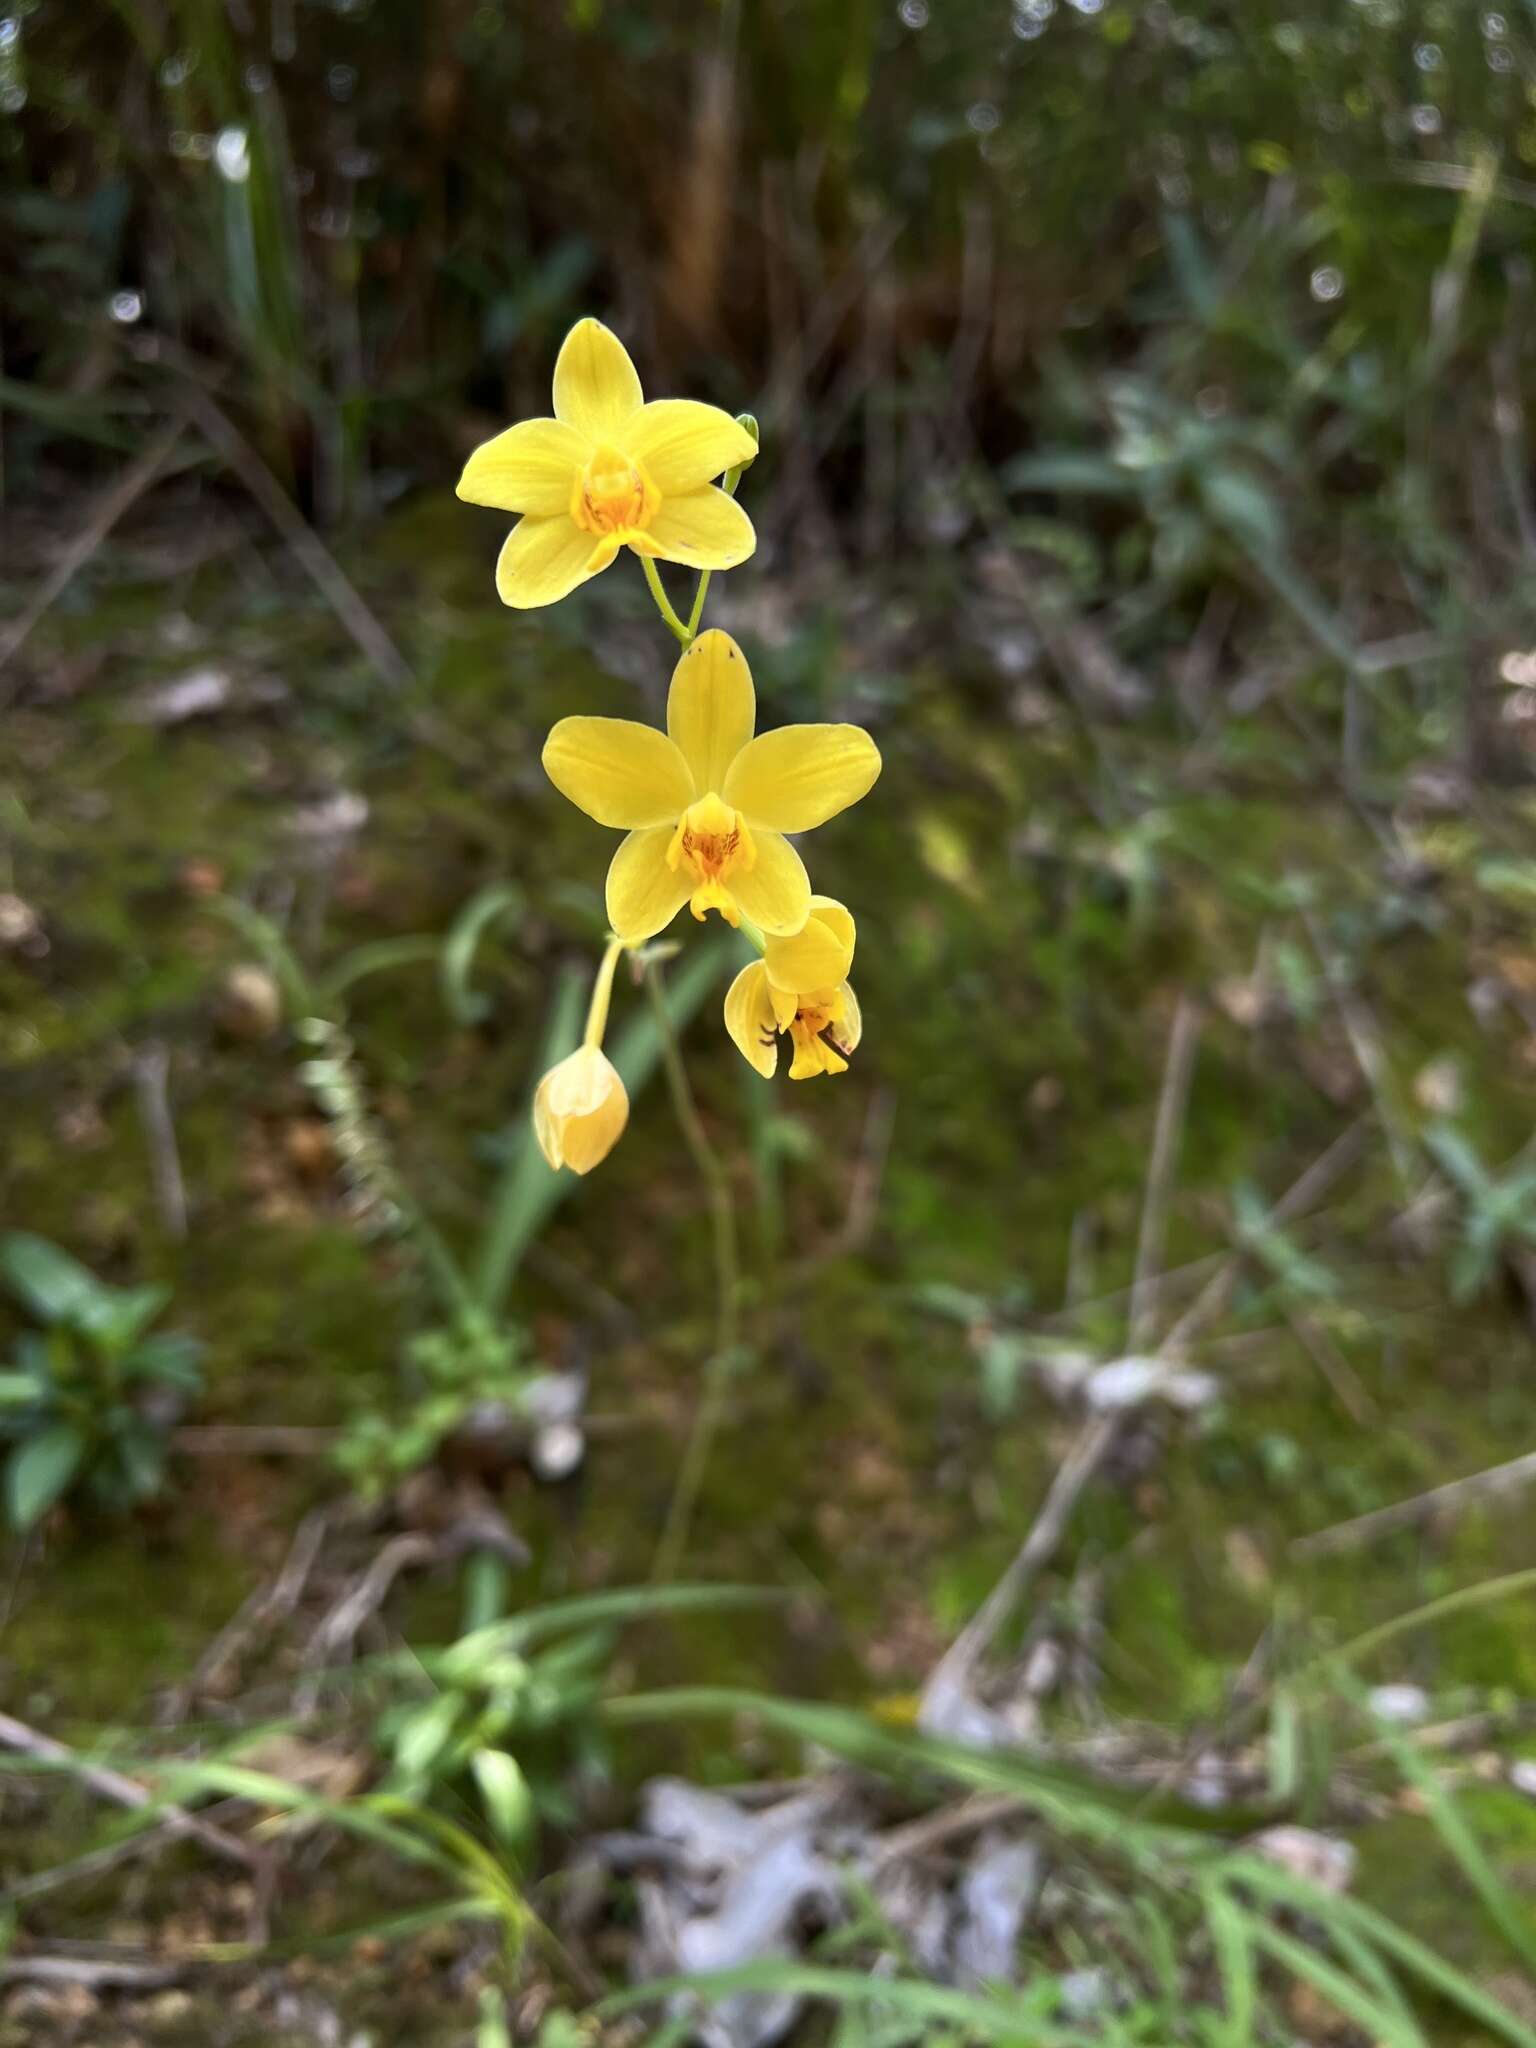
(1403, 1514)
(1039, 1546)
(254, 1440)
(1297, 1199)
(109, 508)
(112, 1785)
(270, 1603)
(1098, 1434)
(96, 1973)
(308, 550)
(1171, 1106)
(151, 1077)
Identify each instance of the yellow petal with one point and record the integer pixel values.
(775, 892)
(849, 1028)
(596, 387)
(684, 444)
(580, 1109)
(701, 529)
(618, 771)
(750, 1020)
(530, 468)
(801, 775)
(711, 707)
(785, 1005)
(816, 956)
(644, 894)
(543, 560)
(840, 918)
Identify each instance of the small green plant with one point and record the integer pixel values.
(89, 1396)
(1498, 1209)
(473, 1351)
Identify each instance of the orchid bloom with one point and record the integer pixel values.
(609, 471)
(706, 805)
(800, 986)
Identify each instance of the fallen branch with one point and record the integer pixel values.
(112, 1785)
(268, 1605)
(1423, 1507)
(151, 1078)
(306, 546)
(110, 507)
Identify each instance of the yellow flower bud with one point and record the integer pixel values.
(580, 1109)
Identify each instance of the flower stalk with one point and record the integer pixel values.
(602, 992)
(727, 1263)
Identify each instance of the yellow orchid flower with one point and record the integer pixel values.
(609, 471)
(706, 805)
(800, 986)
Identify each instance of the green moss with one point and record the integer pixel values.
(1018, 971)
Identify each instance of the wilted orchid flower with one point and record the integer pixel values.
(800, 986)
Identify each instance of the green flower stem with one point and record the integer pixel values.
(722, 1211)
(752, 935)
(698, 604)
(664, 603)
(732, 479)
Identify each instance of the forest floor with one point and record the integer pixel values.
(1077, 924)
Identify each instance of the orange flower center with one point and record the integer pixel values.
(816, 1031)
(613, 493)
(710, 843)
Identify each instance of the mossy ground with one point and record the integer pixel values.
(1023, 939)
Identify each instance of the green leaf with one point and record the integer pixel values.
(457, 957)
(1228, 1924)
(141, 1453)
(1504, 1910)
(377, 957)
(504, 1789)
(39, 1471)
(276, 953)
(1240, 505)
(54, 1286)
(425, 1734)
(118, 1314)
(1068, 472)
(1014, 2018)
(17, 1389)
(171, 1358)
(1383, 2022)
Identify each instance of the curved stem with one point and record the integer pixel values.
(663, 602)
(602, 989)
(698, 604)
(722, 1212)
(733, 478)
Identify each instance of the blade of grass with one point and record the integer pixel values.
(1385, 2024)
(993, 2019)
(1265, 1881)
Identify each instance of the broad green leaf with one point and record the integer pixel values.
(119, 1314)
(504, 1789)
(38, 1472)
(54, 1286)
